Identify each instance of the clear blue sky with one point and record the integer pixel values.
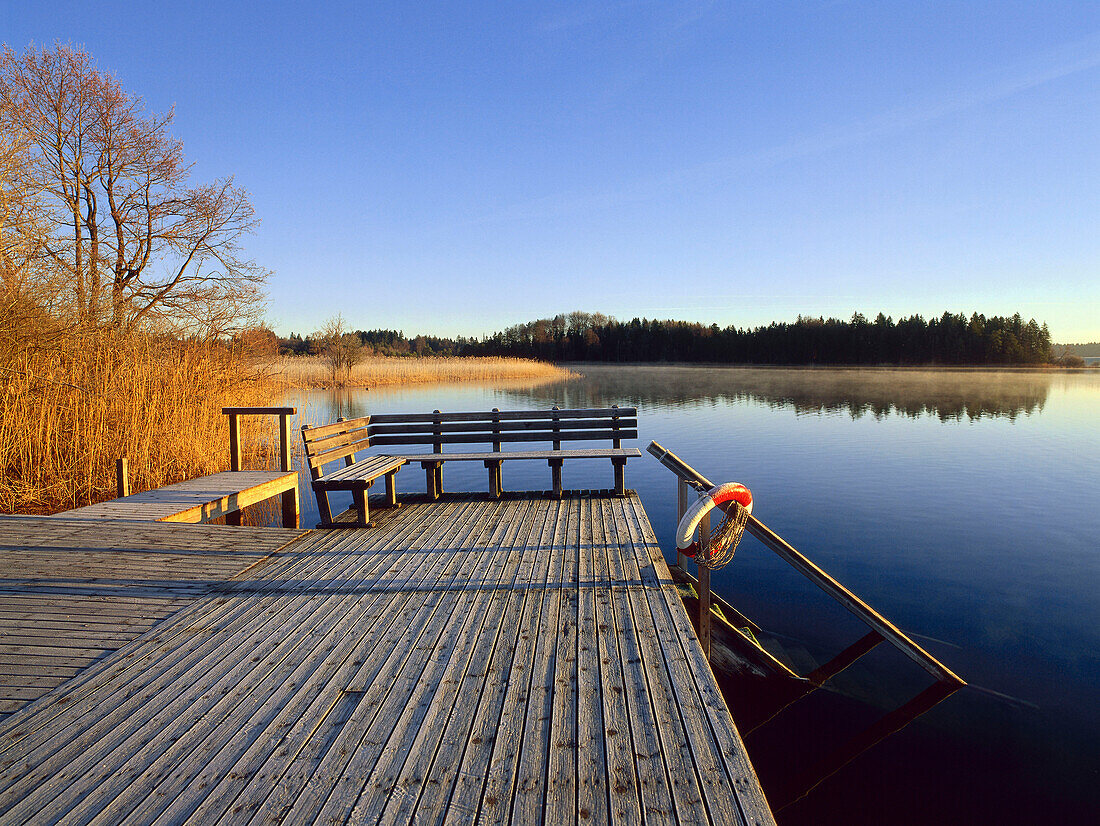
(458, 167)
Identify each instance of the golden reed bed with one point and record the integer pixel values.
(376, 371)
(67, 413)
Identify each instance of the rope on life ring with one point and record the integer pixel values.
(736, 501)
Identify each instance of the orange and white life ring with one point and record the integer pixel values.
(714, 498)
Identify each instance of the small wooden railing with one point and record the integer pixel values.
(289, 499)
(691, 480)
(235, 413)
(122, 466)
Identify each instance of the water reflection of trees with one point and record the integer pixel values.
(947, 395)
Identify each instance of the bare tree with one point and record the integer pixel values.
(28, 286)
(341, 349)
(20, 206)
(136, 243)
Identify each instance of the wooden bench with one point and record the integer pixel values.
(494, 428)
(342, 440)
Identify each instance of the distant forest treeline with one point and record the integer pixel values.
(387, 343)
(578, 336)
(949, 339)
(1089, 350)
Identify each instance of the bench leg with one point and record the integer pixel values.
(360, 496)
(290, 508)
(496, 486)
(324, 510)
(234, 518)
(620, 476)
(391, 489)
(431, 480)
(555, 475)
(439, 478)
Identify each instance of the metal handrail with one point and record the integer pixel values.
(807, 568)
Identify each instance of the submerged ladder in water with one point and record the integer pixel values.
(712, 608)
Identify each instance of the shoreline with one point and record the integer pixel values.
(311, 373)
(863, 368)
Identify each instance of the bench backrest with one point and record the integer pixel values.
(496, 427)
(330, 442)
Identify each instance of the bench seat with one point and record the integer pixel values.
(357, 477)
(365, 470)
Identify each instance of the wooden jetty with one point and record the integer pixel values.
(523, 659)
(201, 500)
(207, 498)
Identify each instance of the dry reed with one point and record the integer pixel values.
(66, 415)
(374, 371)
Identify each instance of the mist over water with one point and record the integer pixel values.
(945, 394)
(963, 505)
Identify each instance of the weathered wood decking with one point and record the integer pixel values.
(524, 660)
(202, 499)
(71, 591)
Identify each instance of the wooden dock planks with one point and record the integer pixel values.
(74, 590)
(468, 660)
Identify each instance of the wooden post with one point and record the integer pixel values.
(496, 483)
(557, 430)
(291, 506)
(431, 478)
(324, 507)
(122, 477)
(704, 587)
(620, 476)
(284, 442)
(360, 497)
(555, 476)
(292, 511)
(391, 489)
(234, 517)
(619, 464)
(496, 486)
(438, 447)
(234, 441)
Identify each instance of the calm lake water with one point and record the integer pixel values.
(965, 506)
